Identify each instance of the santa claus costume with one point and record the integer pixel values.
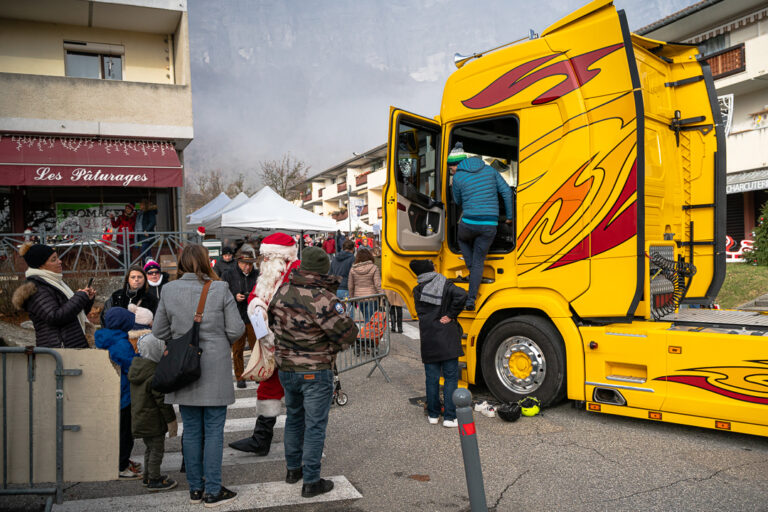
(278, 252)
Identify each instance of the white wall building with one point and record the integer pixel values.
(351, 188)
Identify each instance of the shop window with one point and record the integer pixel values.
(93, 60)
(6, 226)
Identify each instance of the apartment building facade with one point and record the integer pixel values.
(732, 35)
(96, 109)
(350, 190)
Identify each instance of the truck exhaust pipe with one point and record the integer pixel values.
(608, 396)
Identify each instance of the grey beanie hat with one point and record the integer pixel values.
(151, 348)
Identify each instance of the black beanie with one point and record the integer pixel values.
(422, 266)
(314, 259)
(37, 255)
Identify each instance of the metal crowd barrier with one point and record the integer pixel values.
(371, 314)
(94, 252)
(53, 493)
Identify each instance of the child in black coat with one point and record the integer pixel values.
(438, 304)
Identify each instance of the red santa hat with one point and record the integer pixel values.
(201, 231)
(278, 245)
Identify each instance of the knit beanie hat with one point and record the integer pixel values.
(151, 348)
(457, 154)
(151, 264)
(36, 255)
(144, 316)
(421, 266)
(314, 259)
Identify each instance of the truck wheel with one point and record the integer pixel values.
(524, 356)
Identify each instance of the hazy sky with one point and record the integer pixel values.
(315, 78)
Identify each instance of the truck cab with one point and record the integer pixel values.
(613, 149)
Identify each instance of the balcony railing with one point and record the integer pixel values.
(727, 62)
(341, 187)
(361, 180)
(307, 197)
(378, 212)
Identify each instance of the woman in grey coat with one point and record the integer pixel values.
(203, 403)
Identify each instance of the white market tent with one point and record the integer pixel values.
(357, 225)
(211, 207)
(266, 210)
(213, 221)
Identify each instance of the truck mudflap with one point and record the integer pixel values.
(656, 370)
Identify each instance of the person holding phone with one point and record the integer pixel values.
(57, 313)
(241, 279)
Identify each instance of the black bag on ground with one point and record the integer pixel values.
(180, 364)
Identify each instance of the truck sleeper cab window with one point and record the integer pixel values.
(496, 141)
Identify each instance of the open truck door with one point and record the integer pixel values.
(414, 210)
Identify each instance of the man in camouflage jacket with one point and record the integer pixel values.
(310, 327)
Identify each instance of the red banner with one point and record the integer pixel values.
(62, 161)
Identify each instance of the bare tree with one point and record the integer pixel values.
(284, 175)
(238, 185)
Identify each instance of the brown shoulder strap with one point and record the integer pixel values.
(201, 304)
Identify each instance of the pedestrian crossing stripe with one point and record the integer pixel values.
(241, 424)
(240, 403)
(411, 331)
(249, 497)
(231, 457)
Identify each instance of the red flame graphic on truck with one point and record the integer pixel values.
(745, 383)
(575, 71)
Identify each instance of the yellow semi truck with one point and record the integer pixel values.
(613, 147)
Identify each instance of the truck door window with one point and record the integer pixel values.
(417, 164)
(495, 141)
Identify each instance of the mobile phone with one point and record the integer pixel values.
(90, 282)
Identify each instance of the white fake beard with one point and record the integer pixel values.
(270, 277)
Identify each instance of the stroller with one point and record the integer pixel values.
(339, 396)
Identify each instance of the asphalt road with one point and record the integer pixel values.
(563, 459)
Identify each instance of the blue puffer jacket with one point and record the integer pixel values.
(476, 188)
(118, 321)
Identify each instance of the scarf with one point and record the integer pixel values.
(157, 283)
(432, 293)
(57, 282)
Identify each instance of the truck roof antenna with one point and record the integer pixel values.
(459, 60)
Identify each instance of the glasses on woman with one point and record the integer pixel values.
(153, 272)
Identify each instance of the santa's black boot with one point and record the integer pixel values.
(261, 439)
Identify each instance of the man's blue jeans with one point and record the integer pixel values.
(308, 398)
(474, 242)
(201, 461)
(450, 371)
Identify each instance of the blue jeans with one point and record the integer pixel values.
(199, 460)
(450, 371)
(307, 401)
(474, 242)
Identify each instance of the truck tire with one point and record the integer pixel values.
(525, 356)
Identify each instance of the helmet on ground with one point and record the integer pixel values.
(530, 406)
(508, 412)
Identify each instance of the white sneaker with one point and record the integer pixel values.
(480, 406)
(450, 423)
(127, 474)
(489, 411)
(433, 421)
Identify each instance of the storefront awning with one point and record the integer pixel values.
(87, 162)
(740, 182)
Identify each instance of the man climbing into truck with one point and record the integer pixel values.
(476, 190)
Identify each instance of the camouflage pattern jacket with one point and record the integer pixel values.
(309, 322)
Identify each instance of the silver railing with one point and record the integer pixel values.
(95, 252)
(51, 493)
(371, 315)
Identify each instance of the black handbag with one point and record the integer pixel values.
(179, 365)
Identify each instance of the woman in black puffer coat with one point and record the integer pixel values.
(57, 313)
